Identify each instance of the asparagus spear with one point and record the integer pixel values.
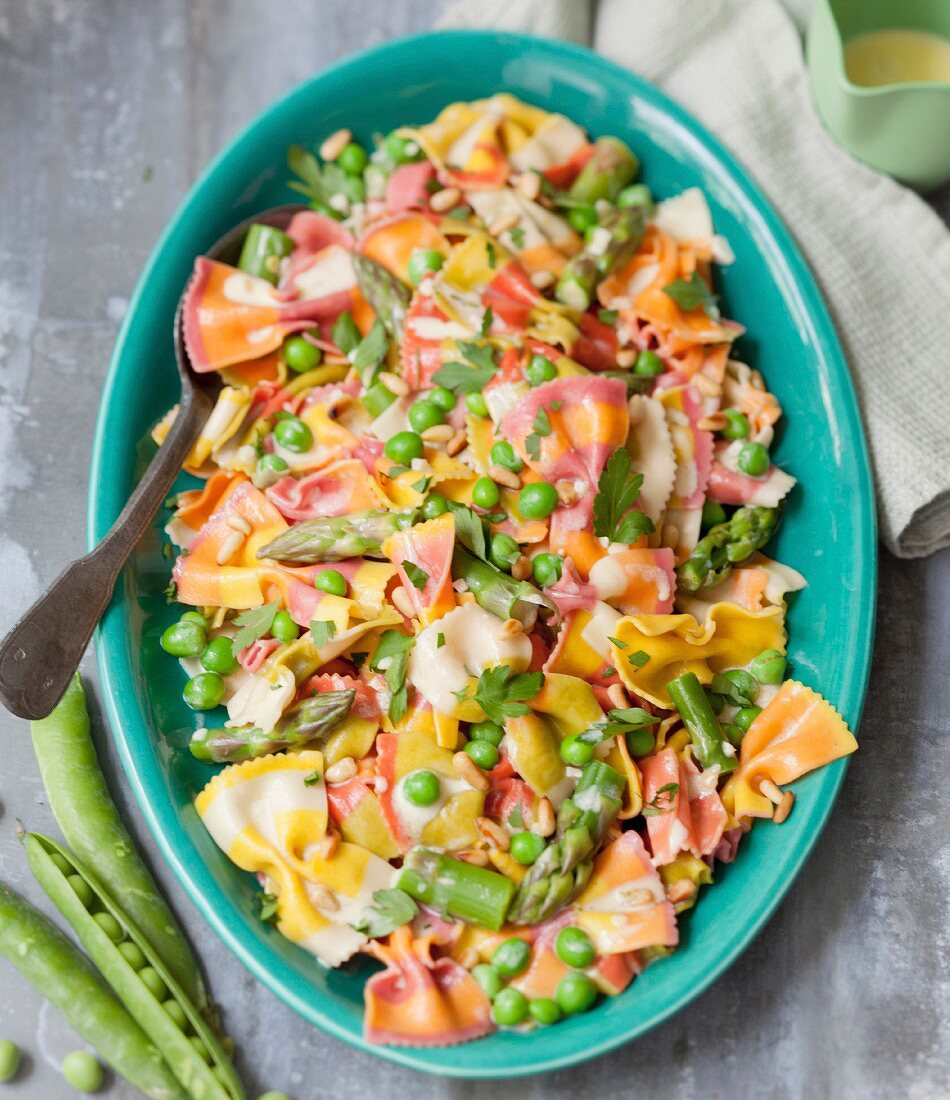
(725, 545)
(384, 292)
(702, 724)
(334, 538)
(611, 167)
(309, 720)
(622, 230)
(264, 248)
(496, 591)
(561, 871)
(456, 888)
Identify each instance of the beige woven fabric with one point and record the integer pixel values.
(881, 255)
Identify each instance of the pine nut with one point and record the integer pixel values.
(403, 602)
(327, 846)
(521, 569)
(469, 958)
(618, 696)
(456, 443)
(566, 493)
(784, 808)
(681, 891)
(529, 185)
(670, 535)
(322, 898)
(335, 144)
(438, 433)
(714, 423)
(393, 383)
(445, 199)
(238, 523)
(493, 833)
(706, 386)
(771, 791)
(233, 542)
(544, 821)
(509, 628)
(626, 357)
(637, 897)
(341, 771)
(542, 279)
(476, 856)
(470, 772)
(505, 477)
(503, 224)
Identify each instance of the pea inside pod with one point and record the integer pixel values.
(172, 1031)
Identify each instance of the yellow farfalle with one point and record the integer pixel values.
(729, 637)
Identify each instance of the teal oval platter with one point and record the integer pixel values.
(828, 531)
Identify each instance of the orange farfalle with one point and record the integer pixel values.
(797, 732)
(418, 1001)
(393, 241)
(423, 556)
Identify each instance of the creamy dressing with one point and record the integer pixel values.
(415, 818)
(897, 56)
(432, 328)
(331, 272)
(248, 290)
(629, 897)
(609, 577)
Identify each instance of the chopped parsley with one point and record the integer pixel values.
(638, 659)
(691, 293)
(253, 624)
(369, 353)
(312, 779)
(417, 576)
(662, 801)
(503, 695)
(617, 491)
(471, 376)
(393, 648)
(268, 907)
(322, 630)
(390, 910)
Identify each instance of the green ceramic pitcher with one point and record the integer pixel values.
(901, 129)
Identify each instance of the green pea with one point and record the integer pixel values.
(511, 957)
(510, 1008)
(505, 551)
(575, 993)
(768, 667)
(81, 889)
(421, 262)
(435, 505)
(403, 447)
(300, 355)
(197, 617)
(204, 691)
(546, 569)
(153, 982)
(713, 514)
(582, 217)
(331, 581)
(737, 426)
(425, 414)
(183, 639)
(271, 464)
(176, 1013)
(82, 1071)
(292, 434)
(526, 847)
(352, 159)
(110, 926)
(486, 731)
(574, 947)
(640, 742)
(753, 459)
(9, 1059)
(503, 454)
(476, 404)
(485, 493)
(442, 398)
(218, 657)
(422, 787)
(61, 864)
(132, 954)
(544, 1011)
(482, 753)
(636, 194)
(648, 365)
(746, 716)
(537, 500)
(488, 978)
(283, 628)
(540, 369)
(402, 150)
(576, 752)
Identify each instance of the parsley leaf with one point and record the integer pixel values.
(417, 576)
(490, 249)
(268, 907)
(394, 647)
(516, 233)
(617, 492)
(541, 423)
(532, 445)
(665, 795)
(639, 659)
(617, 642)
(312, 779)
(487, 318)
(469, 529)
(253, 624)
(516, 818)
(501, 695)
(692, 293)
(322, 630)
(370, 352)
(474, 374)
(421, 485)
(390, 910)
(439, 640)
(607, 316)
(345, 334)
(320, 182)
(618, 723)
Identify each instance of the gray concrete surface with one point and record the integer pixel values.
(108, 111)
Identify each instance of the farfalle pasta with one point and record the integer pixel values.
(489, 659)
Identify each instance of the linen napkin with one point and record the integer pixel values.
(881, 255)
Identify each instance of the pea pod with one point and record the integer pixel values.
(63, 974)
(213, 1078)
(92, 827)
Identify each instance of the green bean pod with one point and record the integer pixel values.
(204, 1076)
(92, 827)
(63, 974)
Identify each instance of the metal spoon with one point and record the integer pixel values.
(42, 651)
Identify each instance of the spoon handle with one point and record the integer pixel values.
(43, 650)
